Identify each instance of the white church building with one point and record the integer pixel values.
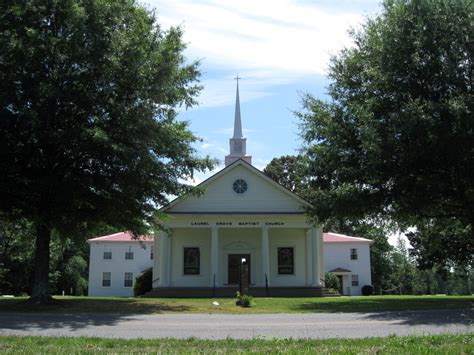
(241, 214)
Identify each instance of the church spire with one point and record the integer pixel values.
(238, 144)
(237, 119)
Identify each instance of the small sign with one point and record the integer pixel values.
(244, 279)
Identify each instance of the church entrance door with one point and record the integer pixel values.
(233, 262)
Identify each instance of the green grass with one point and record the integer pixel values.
(433, 344)
(227, 305)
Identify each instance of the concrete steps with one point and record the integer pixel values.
(209, 292)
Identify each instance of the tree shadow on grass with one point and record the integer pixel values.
(85, 305)
(78, 313)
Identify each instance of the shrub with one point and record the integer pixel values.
(143, 282)
(244, 300)
(367, 290)
(331, 281)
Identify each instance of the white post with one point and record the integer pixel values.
(163, 258)
(265, 256)
(214, 256)
(309, 258)
(315, 234)
(321, 251)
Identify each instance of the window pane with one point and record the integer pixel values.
(285, 261)
(355, 280)
(191, 261)
(353, 254)
(106, 279)
(129, 255)
(151, 252)
(107, 255)
(128, 279)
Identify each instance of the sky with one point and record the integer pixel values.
(280, 48)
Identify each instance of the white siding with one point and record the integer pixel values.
(219, 196)
(295, 238)
(338, 255)
(117, 266)
(186, 237)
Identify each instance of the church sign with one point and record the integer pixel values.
(238, 223)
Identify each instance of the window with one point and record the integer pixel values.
(240, 186)
(107, 255)
(286, 261)
(355, 280)
(191, 261)
(128, 279)
(129, 253)
(353, 254)
(106, 279)
(151, 252)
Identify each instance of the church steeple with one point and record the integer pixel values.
(237, 119)
(238, 144)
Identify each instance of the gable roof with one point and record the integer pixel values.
(341, 238)
(238, 163)
(122, 237)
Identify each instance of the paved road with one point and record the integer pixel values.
(221, 326)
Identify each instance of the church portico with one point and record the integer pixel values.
(277, 249)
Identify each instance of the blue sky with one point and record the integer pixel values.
(280, 49)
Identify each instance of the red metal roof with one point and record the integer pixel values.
(122, 237)
(341, 238)
(128, 237)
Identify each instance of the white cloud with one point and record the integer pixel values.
(266, 42)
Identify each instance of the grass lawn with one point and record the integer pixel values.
(227, 305)
(433, 344)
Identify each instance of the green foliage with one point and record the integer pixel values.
(16, 256)
(397, 137)
(290, 172)
(427, 344)
(331, 281)
(447, 242)
(367, 290)
(245, 301)
(89, 135)
(143, 282)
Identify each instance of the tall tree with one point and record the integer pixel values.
(88, 130)
(397, 138)
(289, 171)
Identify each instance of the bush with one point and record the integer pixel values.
(331, 281)
(367, 290)
(244, 300)
(143, 282)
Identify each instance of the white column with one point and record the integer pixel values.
(309, 258)
(164, 256)
(265, 256)
(315, 234)
(321, 251)
(214, 256)
(168, 261)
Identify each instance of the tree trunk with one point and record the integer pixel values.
(41, 293)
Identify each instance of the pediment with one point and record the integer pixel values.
(222, 193)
